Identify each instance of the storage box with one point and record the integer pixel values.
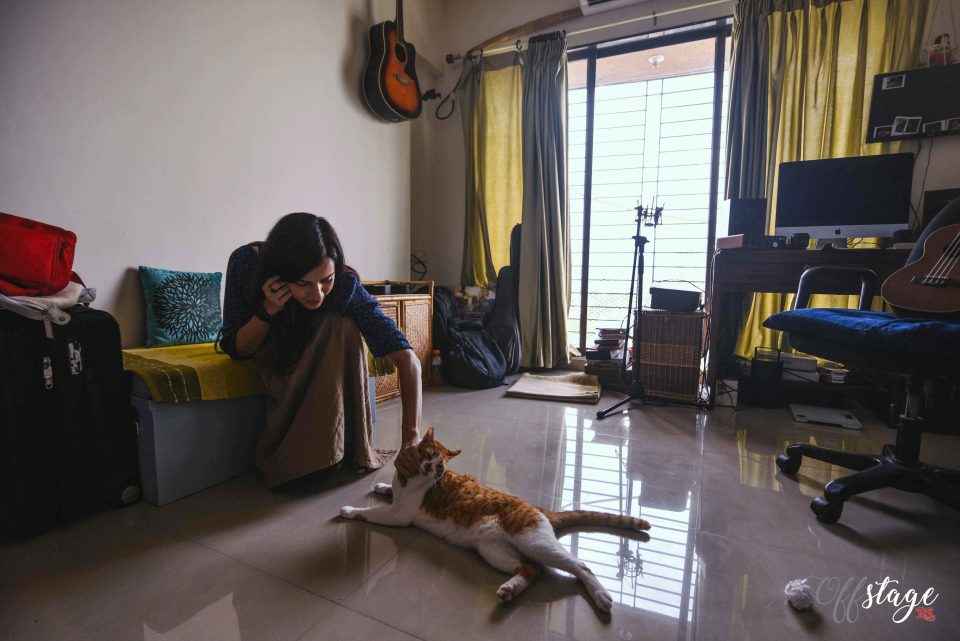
(671, 347)
(187, 447)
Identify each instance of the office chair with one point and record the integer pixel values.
(917, 348)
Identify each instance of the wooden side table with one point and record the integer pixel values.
(413, 314)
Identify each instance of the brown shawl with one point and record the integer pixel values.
(319, 410)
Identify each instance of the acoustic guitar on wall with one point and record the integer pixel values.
(390, 85)
(930, 286)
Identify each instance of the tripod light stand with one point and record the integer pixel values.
(651, 217)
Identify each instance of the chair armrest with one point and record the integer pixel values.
(868, 283)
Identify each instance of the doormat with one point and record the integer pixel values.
(573, 388)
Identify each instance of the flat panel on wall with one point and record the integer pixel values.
(915, 104)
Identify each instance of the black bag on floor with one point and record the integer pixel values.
(471, 357)
(445, 314)
(67, 431)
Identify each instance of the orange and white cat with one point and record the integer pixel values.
(507, 531)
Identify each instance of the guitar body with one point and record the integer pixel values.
(390, 85)
(930, 286)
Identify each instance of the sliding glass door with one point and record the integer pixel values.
(646, 125)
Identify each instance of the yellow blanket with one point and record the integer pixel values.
(186, 373)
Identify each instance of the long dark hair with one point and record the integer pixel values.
(297, 244)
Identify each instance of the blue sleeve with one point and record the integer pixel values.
(379, 330)
(237, 308)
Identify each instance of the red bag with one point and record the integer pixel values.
(35, 259)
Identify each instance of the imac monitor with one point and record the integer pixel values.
(856, 197)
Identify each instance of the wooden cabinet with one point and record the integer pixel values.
(413, 313)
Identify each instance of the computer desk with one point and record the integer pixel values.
(778, 271)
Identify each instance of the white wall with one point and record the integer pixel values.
(167, 133)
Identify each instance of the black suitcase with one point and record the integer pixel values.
(67, 430)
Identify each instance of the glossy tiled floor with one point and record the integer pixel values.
(241, 562)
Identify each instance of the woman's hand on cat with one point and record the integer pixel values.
(407, 462)
(276, 294)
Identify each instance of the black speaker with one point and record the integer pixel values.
(933, 201)
(748, 216)
(799, 241)
(763, 385)
(674, 300)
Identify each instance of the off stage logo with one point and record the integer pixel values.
(850, 596)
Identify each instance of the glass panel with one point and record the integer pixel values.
(576, 155)
(653, 123)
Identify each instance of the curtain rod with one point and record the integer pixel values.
(453, 57)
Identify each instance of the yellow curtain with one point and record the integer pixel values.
(495, 146)
(823, 57)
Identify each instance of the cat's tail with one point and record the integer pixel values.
(585, 520)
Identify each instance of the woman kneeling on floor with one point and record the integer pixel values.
(294, 305)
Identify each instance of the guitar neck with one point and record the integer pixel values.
(400, 20)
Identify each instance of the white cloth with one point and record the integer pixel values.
(54, 304)
(49, 309)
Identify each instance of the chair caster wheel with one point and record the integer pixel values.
(788, 464)
(826, 511)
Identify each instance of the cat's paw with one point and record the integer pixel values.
(384, 489)
(602, 599)
(505, 593)
(354, 513)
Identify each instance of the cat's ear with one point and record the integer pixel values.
(453, 453)
(429, 435)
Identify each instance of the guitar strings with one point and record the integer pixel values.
(945, 264)
(942, 264)
(955, 250)
(949, 259)
(942, 261)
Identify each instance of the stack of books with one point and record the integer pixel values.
(609, 344)
(610, 374)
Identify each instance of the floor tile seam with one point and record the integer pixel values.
(858, 564)
(698, 479)
(257, 569)
(548, 426)
(346, 597)
(365, 616)
(183, 538)
(511, 419)
(819, 556)
(779, 548)
(632, 436)
(659, 446)
(712, 456)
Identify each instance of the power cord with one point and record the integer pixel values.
(723, 388)
(418, 267)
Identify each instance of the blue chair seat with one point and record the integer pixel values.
(876, 331)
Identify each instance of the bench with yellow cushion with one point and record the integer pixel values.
(200, 413)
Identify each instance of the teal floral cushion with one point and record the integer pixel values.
(182, 307)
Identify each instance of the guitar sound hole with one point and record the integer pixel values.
(401, 53)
